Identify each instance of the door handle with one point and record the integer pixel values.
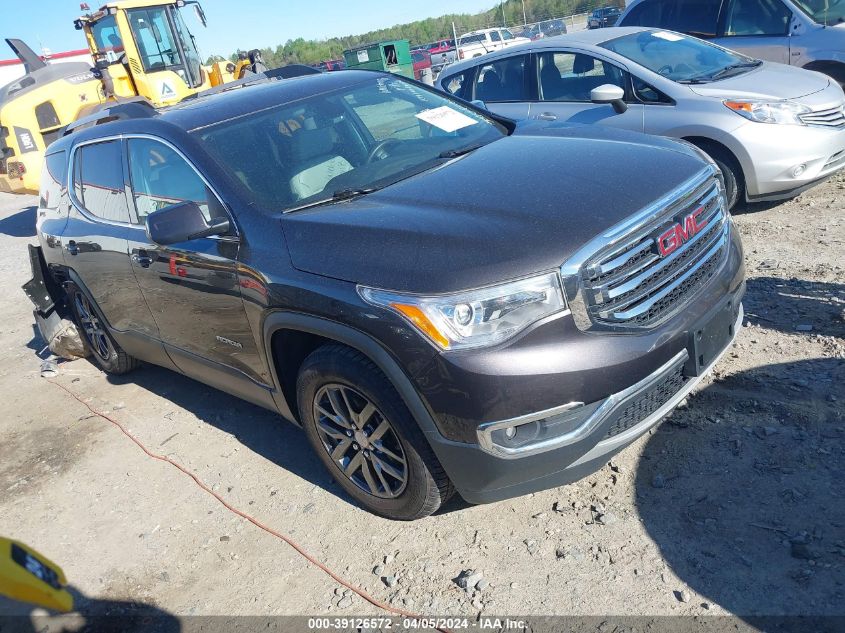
(72, 248)
(142, 258)
(547, 116)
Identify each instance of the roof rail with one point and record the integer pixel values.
(133, 108)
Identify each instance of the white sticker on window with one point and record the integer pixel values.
(669, 37)
(446, 118)
(363, 56)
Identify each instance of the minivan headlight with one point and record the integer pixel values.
(769, 112)
(475, 318)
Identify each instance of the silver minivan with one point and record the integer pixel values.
(805, 33)
(774, 130)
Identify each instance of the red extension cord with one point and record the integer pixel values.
(244, 515)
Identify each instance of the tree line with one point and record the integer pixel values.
(510, 13)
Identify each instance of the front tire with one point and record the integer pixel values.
(366, 437)
(107, 354)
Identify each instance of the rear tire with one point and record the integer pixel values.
(366, 437)
(105, 351)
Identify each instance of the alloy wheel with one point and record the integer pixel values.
(361, 441)
(95, 333)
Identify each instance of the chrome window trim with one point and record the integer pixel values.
(128, 177)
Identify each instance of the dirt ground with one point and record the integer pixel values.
(734, 505)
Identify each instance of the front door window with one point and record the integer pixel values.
(569, 76)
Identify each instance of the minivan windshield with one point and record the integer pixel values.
(679, 57)
(827, 12)
(344, 143)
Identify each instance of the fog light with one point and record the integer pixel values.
(798, 170)
(518, 436)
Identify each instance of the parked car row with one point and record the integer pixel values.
(483, 41)
(603, 18)
(436, 294)
(773, 130)
(805, 33)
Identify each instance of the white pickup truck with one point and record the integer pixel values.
(477, 43)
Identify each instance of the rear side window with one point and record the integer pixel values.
(756, 17)
(53, 180)
(696, 17)
(655, 13)
(98, 181)
(458, 84)
(503, 80)
(161, 178)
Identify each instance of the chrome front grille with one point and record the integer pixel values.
(831, 117)
(625, 281)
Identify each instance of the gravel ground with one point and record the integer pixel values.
(734, 505)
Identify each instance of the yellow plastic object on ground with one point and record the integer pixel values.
(27, 576)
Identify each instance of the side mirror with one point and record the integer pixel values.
(182, 223)
(608, 93)
(478, 103)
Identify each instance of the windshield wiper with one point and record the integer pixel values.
(454, 153)
(687, 82)
(337, 196)
(732, 67)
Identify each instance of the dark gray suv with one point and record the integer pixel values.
(442, 299)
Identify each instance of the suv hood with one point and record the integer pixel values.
(768, 81)
(520, 205)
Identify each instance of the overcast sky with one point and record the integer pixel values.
(231, 24)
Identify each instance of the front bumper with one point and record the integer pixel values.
(772, 153)
(481, 477)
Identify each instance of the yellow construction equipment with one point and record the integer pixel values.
(27, 576)
(140, 48)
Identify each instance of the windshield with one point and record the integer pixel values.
(826, 12)
(679, 57)
(189, 45)
(107, 37)
(350, 141)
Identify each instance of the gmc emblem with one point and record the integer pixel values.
(672, 239)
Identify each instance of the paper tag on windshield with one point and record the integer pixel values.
(446, 119)
(669, 37)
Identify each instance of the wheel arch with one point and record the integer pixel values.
(300, 334)
(834, 68)
(704, 142)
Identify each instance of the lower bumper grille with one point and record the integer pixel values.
(644, 404)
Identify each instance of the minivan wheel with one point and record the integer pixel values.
(105, 351)
(366, 437)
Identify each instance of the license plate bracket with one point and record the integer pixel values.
(709, 337)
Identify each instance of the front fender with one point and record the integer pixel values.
(283, 320)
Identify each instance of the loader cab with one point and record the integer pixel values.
(146, 48)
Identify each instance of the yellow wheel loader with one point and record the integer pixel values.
(140, 48)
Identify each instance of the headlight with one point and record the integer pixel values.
(769, 112)
(475, 318)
